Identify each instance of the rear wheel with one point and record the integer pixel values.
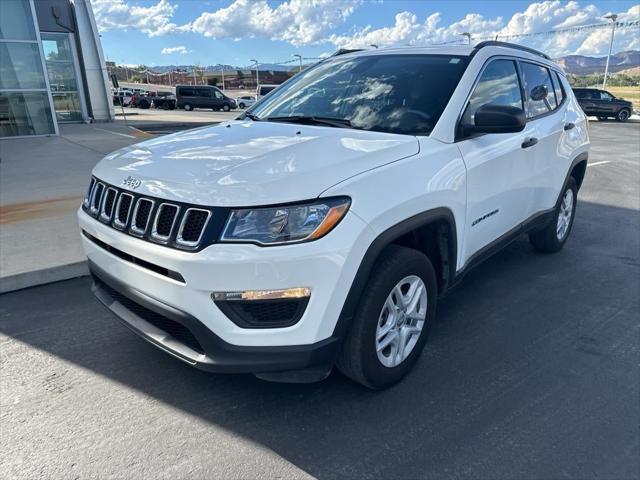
(188, 107)
(623, 115)
(553, 237)
(241, 106)
(392, 321)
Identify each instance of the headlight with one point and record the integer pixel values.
(285, 224)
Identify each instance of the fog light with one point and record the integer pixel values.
(300, 292)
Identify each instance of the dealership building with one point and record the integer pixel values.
(52, 68)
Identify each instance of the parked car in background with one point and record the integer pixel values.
(262, 90)
(203, 96)
(141, 100)
(122, 97)
(164, 101)
(245, 101)
(602, 104)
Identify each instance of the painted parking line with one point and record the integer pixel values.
(595, 164)
(115, 133)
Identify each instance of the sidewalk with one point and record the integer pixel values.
(42, 183)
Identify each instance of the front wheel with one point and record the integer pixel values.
(553, 237)
(602, 118)
(241, 106)
(623, 115)
(226, 107)
(392, 321)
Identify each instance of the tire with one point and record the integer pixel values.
(226, 107)
(550, 239)
(602, 118)
(188, 107)
(241, 106)
(359, 358)
(623, 115)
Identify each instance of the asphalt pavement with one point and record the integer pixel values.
(531, 372)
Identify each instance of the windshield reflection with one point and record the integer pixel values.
(388, 93)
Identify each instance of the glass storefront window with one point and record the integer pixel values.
(67, 106)
(16, 22)
(20, 66)
(61, 68)
(26, 113)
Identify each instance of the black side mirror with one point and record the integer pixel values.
(539, 93)
(497, 119)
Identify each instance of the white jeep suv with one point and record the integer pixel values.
(320, 227)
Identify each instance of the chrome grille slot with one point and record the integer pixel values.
(192, 227)
(87, 197)
(108, 203)
(96, 198)
(164, 222)
(141, 216)
(123, 208)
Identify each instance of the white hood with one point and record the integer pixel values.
(246, 163)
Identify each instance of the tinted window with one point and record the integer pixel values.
(203, 92)
(265, 90)
(388, 93)
(186, 92)
(559, 89)
(536, 76)
(498, 85)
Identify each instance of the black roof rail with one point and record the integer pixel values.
(343, 51)
(497, 43)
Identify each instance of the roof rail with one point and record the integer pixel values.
(343, 51)
(496, 43)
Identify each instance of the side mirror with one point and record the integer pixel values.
(539, 93)
(497, 119)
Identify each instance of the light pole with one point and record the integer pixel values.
(468, 35)
(613, 17)
(257, 78)
(222, 72)
(299, 58)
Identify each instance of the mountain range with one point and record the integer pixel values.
(575, 64)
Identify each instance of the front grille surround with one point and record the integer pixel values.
(183, 226)
(142, 204)
(125, 200)
(158, 235)
(108, 204)
(185, 243)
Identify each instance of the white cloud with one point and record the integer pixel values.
(407, 29)
(154, 20)
(171, 50)
(299, 22)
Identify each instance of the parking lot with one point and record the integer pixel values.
(531, 372)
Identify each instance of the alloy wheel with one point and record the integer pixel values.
(401, 321)
(565, 214)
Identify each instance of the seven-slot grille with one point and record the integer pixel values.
(170, 224)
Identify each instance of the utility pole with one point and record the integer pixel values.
(299, 58)
(468, 35)
(613, 17)
(257, 77)
(195, 79)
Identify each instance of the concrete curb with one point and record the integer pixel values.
(42, 277)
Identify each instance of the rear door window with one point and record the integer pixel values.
(534, 77)
(498, 85)
(204, 93)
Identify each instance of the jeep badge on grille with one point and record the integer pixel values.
(131, 182)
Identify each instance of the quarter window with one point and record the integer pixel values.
(560, 95)
(498, 85)
(534, 78)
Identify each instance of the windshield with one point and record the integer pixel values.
(387, 93)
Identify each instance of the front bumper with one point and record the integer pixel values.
(326, 266)
(188, 339)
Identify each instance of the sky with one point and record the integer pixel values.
(232, 32)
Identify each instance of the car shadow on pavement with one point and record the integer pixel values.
(526, 347)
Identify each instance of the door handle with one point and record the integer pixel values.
(529, 142)
(569, 126)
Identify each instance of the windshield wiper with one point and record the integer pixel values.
(251, 116)
(313, 120)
